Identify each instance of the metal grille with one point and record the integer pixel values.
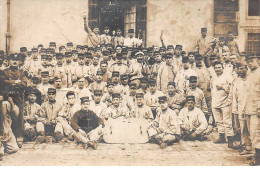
(253, 43)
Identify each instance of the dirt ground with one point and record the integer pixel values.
(184, 153)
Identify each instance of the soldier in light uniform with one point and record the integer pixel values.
(59, 69)
(119, 66)
(155, 67)
(178, 57)
(131, 41)
(139, 67)
(98, 84)
(105, 73)
(221, 48)
(192, 121)
(75, 56)
(118, 39)
(94, 38)
(82, 89)
(96, 105)
(252, 104)
(69, 69)
(107, 97)
(166, 73)
(221, 100)
(44, 86)
(182, 77)
(81, 70)
(175, 99)
(192, 63)
(130, 100)
(47, 123)
(165, 129)
(69, 47)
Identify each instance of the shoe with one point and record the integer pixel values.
(221, 139)
(41, 139)
(230, 142)
(163, 145)
(71, 137)
(256, 158)
(58, 136)
(245, 152)
(92, 144)
(85, 146)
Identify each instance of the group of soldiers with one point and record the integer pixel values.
(71, 92)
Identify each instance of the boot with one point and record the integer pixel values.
(230, 141)
(92, 144)
(256, 159)
(58, 136)
(221, 139)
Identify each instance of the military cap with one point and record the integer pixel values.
(152, 81)
(40, 45)
(95, 26)
(51, 90)
(32, 91)
(171, 84)
(91, 49)
(79, 47)
(34, 50)
(21, 56)
(52, 44)
(112, 50)
(119, 56)
(132, 85)
(168, 55)
(191, 53)
(13, 56)
(61, 47)
(81, 56)
(84, 99)
(179, 47)
(103, 62)
(124, 51)
(108, 45)
(59, 55)
(131, 31)
(139, 95)
(143, 80)
(29, 53)
(110, 84)
(250, 57)
(124, 76)
(43, 50)
(115, 95)
(68, 54)
(102, 45)
(50, 50)
(86, 47)
(150, 49)
(97, 92)
(213, 56)
(229, 32)
(139, 53)
(188, 98)
(221, 38)
(115, 74)
(162, 49)
(88, 54)
(99, 72)
(35, 79)
(45, 73)
(23, 49)
(185, 59)
(162, 98)
(69, 44)
(198, 57)
(156, 53)
(129, 49)
(203, 29)
(97, 48)
(106, 52)
(240, 64)
(144, 50)
(170, 47)
(74, 51)
(106, 27)
(44, 56)
(193, 79)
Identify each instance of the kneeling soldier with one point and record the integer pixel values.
(192, 121)
(165, 129)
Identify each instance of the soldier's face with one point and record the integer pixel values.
(139, 58)
(144, 85)
(193, 85)
(69, 48)
(162, 51)
(1, 97)
(218, 69)
(97, 98)
(103, 67)
(75, 56)
(191, 58)
(116, 102)
(81, 61)
(58, 83)
(178, 51)
(115, 79)
(32, 98)
(45, 79)
(118, 32)
(119, 61)
(190, 104)
(163, 105)
(5, 62)
(85, 106)
(68, 59)
(71, 99)
(63, 51)
(140, 101)
(233, 59)
(106, 31)
(51, 96)
(132, 91)
(198, 63)
(105, 57)
(221, 43)
(226, 56)
(242, 70)
(118, 50)
(99, 78)
(185, 66)
(131, 35)
(153, 88)
(44, 62)
(252, 64)
(81, 83)
(171, 89)
(59, 61)
(230, 37)
(96, 30)
(95, 61)
(171, 51)
(110, 89)
(14, 63)
(204, 34)
(158, 58)
(124, 81)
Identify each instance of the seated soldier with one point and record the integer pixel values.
(87, 125)
(98, 84)
(192, 121)
(140, 109)
(31, 112)
(47, 123)
(96, 105)
(165, 129)
(8, 142)
(117, 109)
(175, 98)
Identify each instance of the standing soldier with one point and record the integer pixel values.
(220, 87)
(155, 67)
(232, 43)
(44, 86)
(221, 48)
(105, 38)
(175, 99)
(118, 39)
(178, 56)
(131, 41)
(252, 105)
(94, 38)
(203, 45)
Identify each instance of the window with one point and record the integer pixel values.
(253, 43)
(253, 7)
(130, 19)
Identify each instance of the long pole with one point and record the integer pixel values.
(8, 36)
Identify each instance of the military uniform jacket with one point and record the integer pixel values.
(166, 73)
(50, 110)
(32, 110)
(115, 112)
(142, 112)
(239, 96)
(200, 101)
(194, 120)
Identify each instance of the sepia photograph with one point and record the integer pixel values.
(129, 82)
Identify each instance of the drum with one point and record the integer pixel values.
(122, 130)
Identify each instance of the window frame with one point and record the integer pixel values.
(250, 17)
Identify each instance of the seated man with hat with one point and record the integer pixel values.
(86, 124)
(165, 129)
(192, 121)
(176, 100)
(119, 65)
(98, 84)
(131, 41)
